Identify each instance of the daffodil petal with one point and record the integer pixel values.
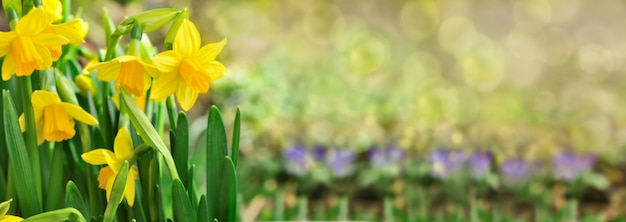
(186, 96)
(22, 123)
(46, 58)
(5, 42)
(125, 58)
(107, 71)
(105, 174)
(187, 39)
(79, 114)
(33, 23)
(165, 85)
(166, 61)
(11, 218)
(41, 98)
(39, 127)
(129, 189)
(8, 67)
(97, 156)
(215, 69)
(50, 40)
(109, 185)
(71, 31)
(123, 144)
(209, 52)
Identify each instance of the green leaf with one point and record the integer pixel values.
(183, 210)
(147, 132)
(181, 147)
(117, 193)
(203, 210)
(66, 214)
(107, 22)
(149, 20)
(234, 153)
(19, 160)
(74, 199)
(228, 203)
(216, 151)
(4, 207)
(192, 191)
(171, 33)
(55, 185)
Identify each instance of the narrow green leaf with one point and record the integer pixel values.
(171, 33)
(55, 183)
(66, 214)
(146, 130)
(107, 22)
(74, 199)
(203, 210)
(183, 210)
(192, 191)
(181, 147)
(149, 21)
(117, 193)
(19, 160)
(3, 182)
(30, 136)
(216, 151)
(153, 196)
(4, 207)
(228, 201)
(234, 153)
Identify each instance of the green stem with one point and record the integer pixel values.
(343, 208)
(31, 134)
(388, 209)
(171, 111)
(302, 208)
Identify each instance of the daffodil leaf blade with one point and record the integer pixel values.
(181, 147)
(65, 214)
(183, 210)
(203, 210)
(234, 153)
(192, 190)
(74, 199)
(19, 159)
(55, 183)
(216, 151)
(117, 193)
(228, 208)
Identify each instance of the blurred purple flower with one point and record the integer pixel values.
(389, 157)
(480, 162)
(446, 162)
(341, 162)
(515, 171)
(297, 160)
(568, 166)
(319, 153)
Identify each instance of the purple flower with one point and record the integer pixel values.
(389, 157)
(480, 163)
(515, 171)
(297, 159)
(341, 162)
(446, 162)
(568, 166)
(319, 153)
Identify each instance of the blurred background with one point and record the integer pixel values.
(416, 109)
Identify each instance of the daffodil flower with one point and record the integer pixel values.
(130, 72)
(187, 69)
(55, 119)
(26, 48)
(54, 9)
(4, 207)
(74, 31)
(123, 147)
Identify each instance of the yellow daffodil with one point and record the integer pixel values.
(130, 72)
(85, 85)
(123, 147)
(4, 208)
(187, 69)
(54, 9)
(26, 48)
(74, 31)
(55, 119)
